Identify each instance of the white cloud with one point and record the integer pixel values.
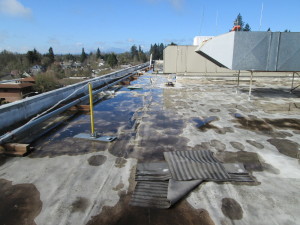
(14, 8)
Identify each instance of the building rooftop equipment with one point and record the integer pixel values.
(257, 51)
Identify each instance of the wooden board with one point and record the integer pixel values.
(15, 149)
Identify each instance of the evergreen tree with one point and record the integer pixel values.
(239, 21)
(134, 52)
(142, 55)
(155, 52)
(161, 51)
(286, 30)
(51, 55)
(269, 29)
(112, 60)
(98, 54)
(247, 27)
(33, 57)
(83, 56)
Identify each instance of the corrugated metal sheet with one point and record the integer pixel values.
(161, 185)
(151, 194)
(260, 51)
(193, 165)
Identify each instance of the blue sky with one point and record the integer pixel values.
(115, 25)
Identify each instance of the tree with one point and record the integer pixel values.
(12, 61)
(51, 55)
(134, 52)
(98, 53)
(172, 43)
(33, 57)
(239, 21)
(141, 55)
(286, 30)
(124, 58)
(155, 52)
(269, 29)
(247, 27)
(83, 56)
(46, 82)
(46, 61)
(161, 51)
(112, 60)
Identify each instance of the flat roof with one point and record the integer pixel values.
(15, 85)
(30, 79)
(75, 181)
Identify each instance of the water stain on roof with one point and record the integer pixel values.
(218, 145)
(215, 110)
(79, 205)
(232, 209)
(251, 161)
(237, 145)
(69, 146)
(268, 126)
(20, 203)
(120, 162)
(122, 213)
(118, 187)
(205, 124)
(286, 147)
(255, 144)
(97, 160)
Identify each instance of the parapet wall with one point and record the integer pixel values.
(16, 112)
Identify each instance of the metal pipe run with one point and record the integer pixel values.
(92, 110)
(9, 136)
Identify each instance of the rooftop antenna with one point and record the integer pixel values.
(261, 14)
